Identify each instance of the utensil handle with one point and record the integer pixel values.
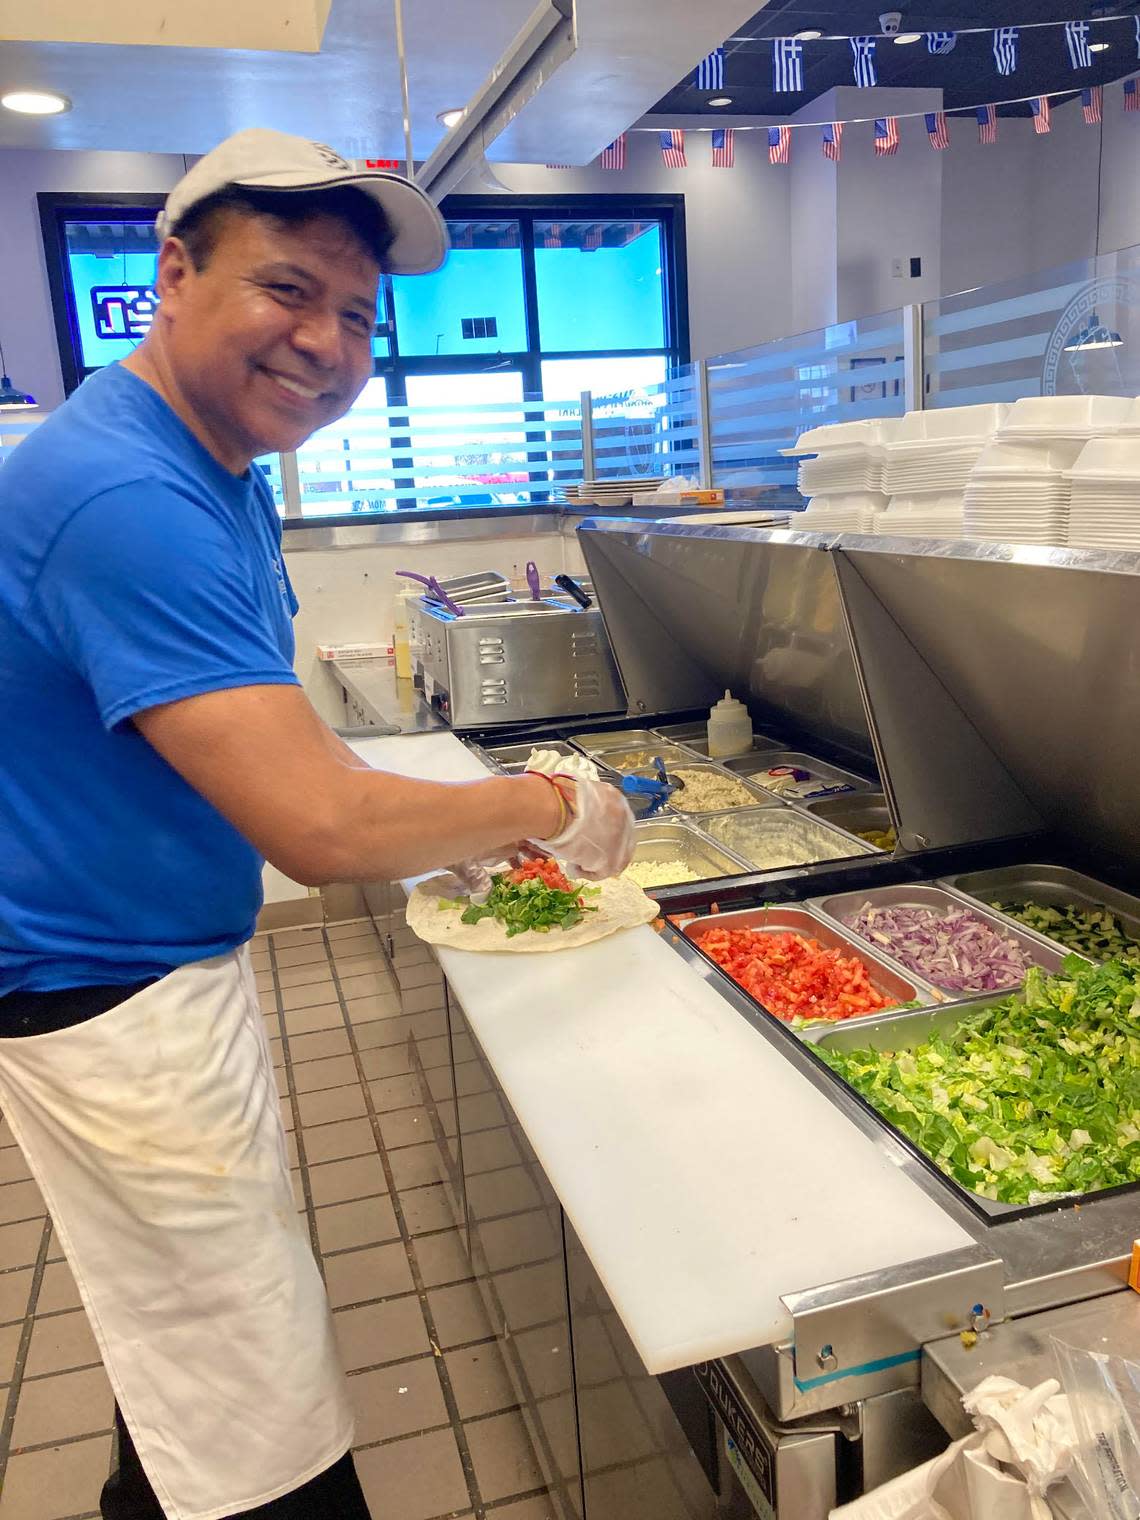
(533, 580)
(413, 575)
(568, 584)
(437, 590)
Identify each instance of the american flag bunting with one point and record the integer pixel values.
(779, 145)
(1077, 38)
(886, 136)
(941, 42)
(987, 125)
(1092, 104)
(833, 140)
(1005, 49)
(723, 148)
(863, 54)
(553, 236)
(1042, 115)
(787, 65)
(592, 239)
(710, 71)
(937, 130)
(613, 157)
(673, 149)
(1131, 96)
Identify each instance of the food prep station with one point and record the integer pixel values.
(912, 684)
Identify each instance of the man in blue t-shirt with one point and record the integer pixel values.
(158, 748)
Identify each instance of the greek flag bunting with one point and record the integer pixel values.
(1138, 36)
(723, 148)
(673, 149)
(779, 145)
(1005, 49)
(1131, 96)
(1092, 104)
(1077, 38)
(987, 125)
(833, 140)
(941, 42)
(613, 157)
(863, 53)
(937, 130)
(1042, 115)
(710, 71)
(787, 65)
(886, 136)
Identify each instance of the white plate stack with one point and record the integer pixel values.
(1018, 491)
(855, 512)
(848, 457)
(614, 493)
(1105, 481)
(934, 451)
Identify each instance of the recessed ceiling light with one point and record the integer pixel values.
(904, 37)
(1099, 47)
(809, 36)
(721, 100)
(449, 118)
(35, 102)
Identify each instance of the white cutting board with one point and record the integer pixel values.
(705, 1176)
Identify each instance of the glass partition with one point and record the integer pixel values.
(1064, 331)
(650, 427)
(761, 399)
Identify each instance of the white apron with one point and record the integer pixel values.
(155, 1135)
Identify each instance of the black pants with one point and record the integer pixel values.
(334, 1494)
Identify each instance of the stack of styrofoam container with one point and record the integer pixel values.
(927, 464)
(843, 475)
(1020, 489)
(1105, 483)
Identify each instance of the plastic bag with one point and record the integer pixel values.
(1023, 1443)
(1104, 1392)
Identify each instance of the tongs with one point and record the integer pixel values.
(435, 590)
(658, 787)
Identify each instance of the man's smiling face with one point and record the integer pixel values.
(272, 337)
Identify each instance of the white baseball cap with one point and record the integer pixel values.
(261, 159)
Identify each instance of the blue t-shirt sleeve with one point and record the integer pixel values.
(151, 599)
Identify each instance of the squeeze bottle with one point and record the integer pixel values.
(729, 728)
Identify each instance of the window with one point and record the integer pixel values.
(600, 284)
(483, 275)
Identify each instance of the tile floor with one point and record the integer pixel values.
(355, 1040)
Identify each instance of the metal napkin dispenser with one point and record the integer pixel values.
(513, 662)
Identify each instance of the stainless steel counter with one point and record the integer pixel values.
(378, 698)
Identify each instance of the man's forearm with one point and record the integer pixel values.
(385, 827)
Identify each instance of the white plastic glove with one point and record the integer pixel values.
(470, 878)
(598, 839)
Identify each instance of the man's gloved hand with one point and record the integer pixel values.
(470, 878)
(597, 839)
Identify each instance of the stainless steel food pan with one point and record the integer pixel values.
(1052, 886)
(837, 907)
(886, 978)
(852, 812)
(640, 757)
(773, 837)
(757, 795)
(674, 840)
(903, 1031)
(827, 775)
(615, 738)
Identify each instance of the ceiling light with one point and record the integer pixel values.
(449, 118)
(904, 37)
(721, 100)
(1099, 47)
(35, 102)
(810, 36)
